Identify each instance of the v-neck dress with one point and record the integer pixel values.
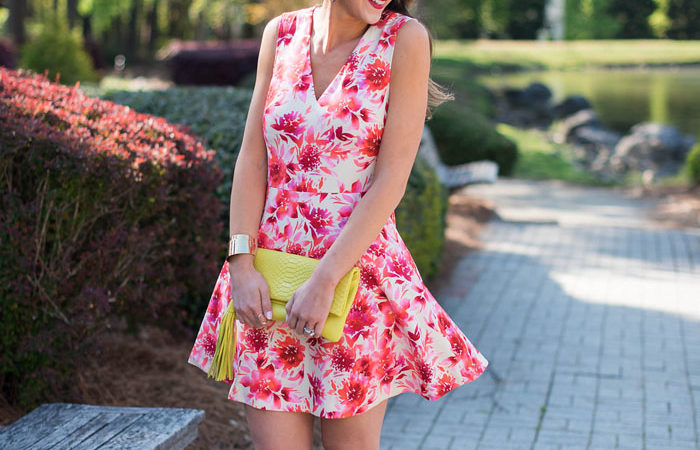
(321, 157)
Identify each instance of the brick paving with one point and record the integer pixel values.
(590, 317)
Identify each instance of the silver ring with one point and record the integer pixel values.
(309, 332)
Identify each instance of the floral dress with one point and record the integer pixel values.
(321, 156)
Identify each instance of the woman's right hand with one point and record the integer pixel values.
(249, 292)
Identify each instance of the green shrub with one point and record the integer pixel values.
(462, 136)
(106, 217)
(692, 165)
(216, 114)
(421, 218)
(58, 50)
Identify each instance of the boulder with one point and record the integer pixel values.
(535, 94)
(655, 147)
(571, 105)
(595, 135)
(583, 118)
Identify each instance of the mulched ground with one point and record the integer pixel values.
(679, 206)
(151, 369)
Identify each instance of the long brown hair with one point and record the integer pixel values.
(437, 94)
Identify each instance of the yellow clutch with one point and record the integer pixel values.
(284, 273)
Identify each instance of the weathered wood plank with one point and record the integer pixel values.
(161, 429)
(80, 419)
(72, 438)
(106, 433)
(82, 427)
(39, 423)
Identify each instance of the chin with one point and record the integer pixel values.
(374, 10)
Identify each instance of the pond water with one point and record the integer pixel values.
(623, 97)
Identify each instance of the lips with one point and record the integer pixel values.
(376, 4)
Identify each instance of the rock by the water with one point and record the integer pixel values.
(537, 93)
(534, 94)
(571, 105)
(583, 118)
(655, 147)
(528, 107)
(597, 135)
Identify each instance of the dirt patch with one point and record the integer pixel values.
(677, 207)
(151, 370)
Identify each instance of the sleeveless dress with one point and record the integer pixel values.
(321, 157)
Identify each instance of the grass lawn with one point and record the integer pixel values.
(485, 54)
(539, 158)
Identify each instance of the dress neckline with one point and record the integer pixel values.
(312, 84)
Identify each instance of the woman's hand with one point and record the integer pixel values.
(310, 304)
(250, 293)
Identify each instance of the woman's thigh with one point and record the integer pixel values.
(280, 430)
(360, 432)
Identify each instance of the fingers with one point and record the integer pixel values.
(291, 318)
(256, 311)
(297, 323)
(314, 327)
(265, 302)
(250, 312)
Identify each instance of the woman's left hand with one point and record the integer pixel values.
(309, 305)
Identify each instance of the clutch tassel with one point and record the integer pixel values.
(222, 364)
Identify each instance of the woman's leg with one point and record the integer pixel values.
(280, 430)
(360, 432)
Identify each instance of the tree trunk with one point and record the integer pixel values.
(72, 12)
(17, 16)
(153, 28)
(87, 28)
(132, 37)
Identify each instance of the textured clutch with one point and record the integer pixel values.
(284, 273)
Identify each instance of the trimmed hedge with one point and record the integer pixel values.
(218, 114)
(220, 63)
(421, 218)
(692, 165)
(463, 136)
(107, 216)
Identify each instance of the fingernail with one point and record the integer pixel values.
(269, 315)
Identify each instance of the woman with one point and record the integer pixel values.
(332, 133)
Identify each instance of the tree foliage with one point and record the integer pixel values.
(590, 19)
(684, 19)
(633, 15)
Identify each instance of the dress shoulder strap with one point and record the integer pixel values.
(390, 24)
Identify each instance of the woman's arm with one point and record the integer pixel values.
(248, 189)
(408, 98)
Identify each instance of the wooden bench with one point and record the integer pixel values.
(74, 426)
(454, 177)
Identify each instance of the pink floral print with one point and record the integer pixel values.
(321, 157)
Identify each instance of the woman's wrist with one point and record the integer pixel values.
(241, 260)
(326, 275)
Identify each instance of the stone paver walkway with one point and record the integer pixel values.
(590, 318)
